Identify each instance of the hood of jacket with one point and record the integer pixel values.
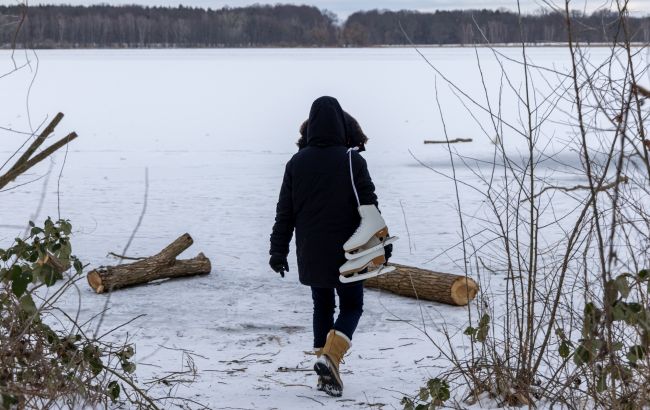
(326, 123)
(354, 134)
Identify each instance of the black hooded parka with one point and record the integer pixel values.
(317, 198)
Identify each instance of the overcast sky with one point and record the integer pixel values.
(343, 8)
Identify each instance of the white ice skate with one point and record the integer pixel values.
(372, 225)
(365, 248)
(373, 245)
(374, 264)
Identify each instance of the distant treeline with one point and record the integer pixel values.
(292, 26)
(486, 26)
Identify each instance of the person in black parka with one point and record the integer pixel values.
(318, 201)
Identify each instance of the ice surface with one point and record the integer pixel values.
(215, 128)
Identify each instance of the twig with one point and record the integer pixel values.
(311, 398)
(41, 200)
(142, 213)
(58, 182)
(406, 225)
(128, 244)
(229, 371)
(259, 354)
(133, 386)
(186, 351)
(14, 39)
(31, 85)
(185, 399)
(619, 180)
(286, 384)
(122, 325)
(31, 181)
(236, 361)
(125, 257)
(292, 369)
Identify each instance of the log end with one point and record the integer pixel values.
(174, 249)
(53, 262)
(206, 261)
(463, 291)
(95, 281)
(187, 239)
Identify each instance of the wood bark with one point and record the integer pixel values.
(160, 266)
(106, 279)
(426, 285)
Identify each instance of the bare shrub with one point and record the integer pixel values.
(571, 325)
(44, 366)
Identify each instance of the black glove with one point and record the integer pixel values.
(388, 251)
(279, 264)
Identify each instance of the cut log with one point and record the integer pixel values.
(454, 141)
(55, 263)
(426, 285)
(106, 279)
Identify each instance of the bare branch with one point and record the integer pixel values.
(17, 171)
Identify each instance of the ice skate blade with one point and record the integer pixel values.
(356, 277)
(356, 255)
(353, 266)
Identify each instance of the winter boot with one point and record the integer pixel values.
(372, 224)
(327, 366)
(320, 386)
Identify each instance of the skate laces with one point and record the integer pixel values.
(354, 187)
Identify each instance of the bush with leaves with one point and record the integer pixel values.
(42, 365)
(612, 353)
(430, 397)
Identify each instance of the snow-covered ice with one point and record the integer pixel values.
(214, 128)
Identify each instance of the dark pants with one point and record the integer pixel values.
(350, 310)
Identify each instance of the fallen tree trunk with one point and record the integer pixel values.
(109, 278)
(426, 285)
(454, 141)
(159, 266)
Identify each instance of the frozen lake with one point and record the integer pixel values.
(214, 128)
